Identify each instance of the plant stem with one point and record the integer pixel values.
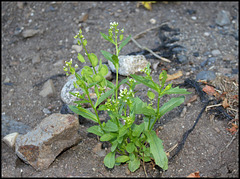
(158, 105)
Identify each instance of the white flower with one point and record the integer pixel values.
(76, 65)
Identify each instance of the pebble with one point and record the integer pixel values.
(48, 89)
(77, 48)
(46, 111)
(7, 80)
(36, 59)
(30, 33)
(66, 110)
(153, 21)
(196, 54)
(216, 52)
(98, 150)
(194, 18)
(229, 57)
(206, 34)
(223, 18)
(205, 75)
(182, 59)
(10, 139)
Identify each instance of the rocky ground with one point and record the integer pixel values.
(37, 37)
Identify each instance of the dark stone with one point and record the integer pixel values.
(205, 75)
(66, 110)
(182, 59)
(235, 71)
(196, 54)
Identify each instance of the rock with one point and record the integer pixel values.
(98, 150)
(206, 75)
(130, 64)
(69, 87)
(29, 33)
(46, 111)
(223, 18)
(196, 54)
(46, 141)
(229, 57)
(194, 18)
(77, 48)
(7, 80)
(216, 52)
(36, 59)
(9, 126)
(66, 110)
(48, 89)
(182, 59)
(153, 21)
(10, 139)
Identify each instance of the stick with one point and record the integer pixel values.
(145, 48)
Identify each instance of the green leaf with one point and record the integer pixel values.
(108, 136)
(110, 85)
(151, 95)
(108, 56)
(110, 127)
(97, 77)
(115, 59)
(137, 130)
(80, 58)
(122, 131)
(104, 70)
(156, 148)
(168, 106)
(95, 130)
(133, 165)
(121, 37)
(122, 159)
(162, 78)
(84, 42)
(87, 71)
(114, 145)
(103, 97)
(83, 112)
(106, 37)
(109, 160)
(176, 90)
(124, 42)
(93, 59)
(130, 147)
(142, 108)
(146, 82)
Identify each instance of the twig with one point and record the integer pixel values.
(145, 48)
(144, 167)
(172, 148)
(143, 32)
(212, 106)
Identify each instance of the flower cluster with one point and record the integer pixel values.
(111, 105)
(69, 67)
(124, 95)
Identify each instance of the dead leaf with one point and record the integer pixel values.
(192, 99)
(174, 76)
(146, 4)
(194, 175)
(209, 90)
(225, 103)
(233, 129)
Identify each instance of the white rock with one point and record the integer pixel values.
(30, 33)
(48, 89)
(130, 64)
(77, 48)
(10, 139)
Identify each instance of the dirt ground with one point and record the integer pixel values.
(209, 149)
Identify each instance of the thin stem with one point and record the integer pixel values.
(158, 105)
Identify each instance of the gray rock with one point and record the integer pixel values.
(46, 111)
(216, 52)
(182, 59)
(36, 59)
(30, 33)
(223, 18)
(130, 64)
(69, 87)
(46, 141)
(48, 89)
(206, 75)
(9, 126)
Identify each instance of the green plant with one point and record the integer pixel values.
(130, 142)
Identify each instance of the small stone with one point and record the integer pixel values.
(196, 54)
(216, 52)
(46, 111)
(59, 63)
(65, 109)
(229, 57)
(99, 151)
(223, 18)
(20, 5)
(30, 33)
(183, 111)
(7, 80)
(182, 59)
(130, 64)
(206, 75)
(10, 139)
(47, 140)
(153, 21)
(48, 89)
(77, 48)
(206, 34)
(194, 18)
(211, 60)
(36, 59)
